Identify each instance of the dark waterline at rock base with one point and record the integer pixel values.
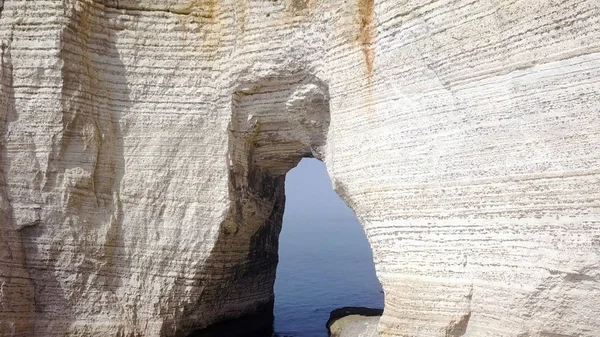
(258, 324)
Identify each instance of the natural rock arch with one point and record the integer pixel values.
(463, 136)
(274, 124)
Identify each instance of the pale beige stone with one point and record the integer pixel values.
(354, 326)
(144, 146)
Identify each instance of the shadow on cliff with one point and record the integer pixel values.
(17, 292)
(84, 170)
(237, 279)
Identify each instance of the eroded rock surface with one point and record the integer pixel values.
(144, 146)
(354, 322)
(354, 326)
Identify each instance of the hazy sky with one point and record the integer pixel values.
(309, 193)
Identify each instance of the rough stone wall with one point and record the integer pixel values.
(144, 146)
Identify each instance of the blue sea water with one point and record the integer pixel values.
(325, 261)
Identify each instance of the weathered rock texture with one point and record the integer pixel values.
(353, 322)
(354, 326)
(144, 146)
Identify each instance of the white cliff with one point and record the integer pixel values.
(144, 146)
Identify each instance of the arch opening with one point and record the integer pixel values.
(325, 261)
(275, 123)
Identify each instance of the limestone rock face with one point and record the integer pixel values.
(144, 146)
(354, 326)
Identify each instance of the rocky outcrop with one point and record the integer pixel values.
(353, 322)
(144, 146)
(354, 326)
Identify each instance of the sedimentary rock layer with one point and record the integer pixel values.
(144, 147)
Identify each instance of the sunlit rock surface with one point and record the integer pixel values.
(353, 322)
(354, 326)
(144, 146)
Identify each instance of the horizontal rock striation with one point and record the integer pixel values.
(144, 147)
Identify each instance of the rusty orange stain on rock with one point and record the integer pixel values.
(205, 15)
(298, 5)
(242, 8)
(297, 11)
(366, 35)
(203, 8)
